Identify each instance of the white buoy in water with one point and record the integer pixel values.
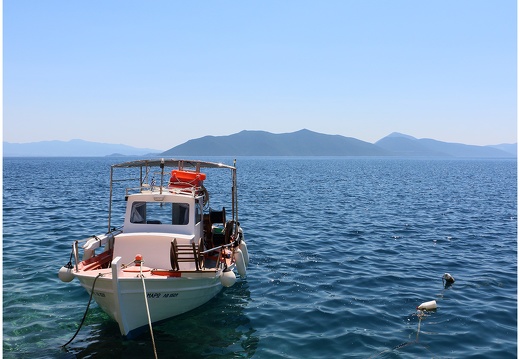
(228, 278)
(240, 263)
(431, 305)
(65, 274)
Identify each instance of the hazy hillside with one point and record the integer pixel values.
(507, 147)
(73, 148)
(309, 143)
(261, 143)
(404, 145)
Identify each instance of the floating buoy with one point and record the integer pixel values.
(138, 260)
(228, 278)
(448, 279)
(431, 305)
(240, 263)
(65, 273)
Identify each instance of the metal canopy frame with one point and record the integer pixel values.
(181, 165)
(173, 163)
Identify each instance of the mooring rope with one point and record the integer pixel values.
(86, 311)
(447, 281)
(147, 309)
(405, 344)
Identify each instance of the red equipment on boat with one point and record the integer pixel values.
(187, 178)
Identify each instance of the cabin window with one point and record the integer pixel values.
(138, 213)
(160, 213)
(180, 213)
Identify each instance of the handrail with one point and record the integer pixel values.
(75, 251)
(216, 248)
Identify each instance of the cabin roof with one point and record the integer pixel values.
(172, 163)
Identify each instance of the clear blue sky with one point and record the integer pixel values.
(157, 73)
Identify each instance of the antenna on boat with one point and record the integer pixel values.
(110, 199)
(235, 194)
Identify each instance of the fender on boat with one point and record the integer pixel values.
(240, 263)
(245, 253)
(228, 278)
(65, 273)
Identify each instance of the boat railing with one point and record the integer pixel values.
(217, 248)
(171, 189)
(143, 188)
(90, 244)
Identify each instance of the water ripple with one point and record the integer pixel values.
(343, 250)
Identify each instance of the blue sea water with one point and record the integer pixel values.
(342, 250)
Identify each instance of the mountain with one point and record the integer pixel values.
(309, 143)
(72, 148)
(261, 143)
(511, 148)
(404, 145)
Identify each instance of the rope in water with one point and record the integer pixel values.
(405, 344)
(447, 281)
(86, 311)
(148, 310)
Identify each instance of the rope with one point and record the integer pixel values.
(148, 310)
(405, 344)
(447, 281)
(420, 316)
(86, 310)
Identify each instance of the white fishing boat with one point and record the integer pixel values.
(172, 254)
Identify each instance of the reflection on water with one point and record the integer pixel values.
(218, 328)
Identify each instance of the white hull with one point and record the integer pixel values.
(123, 298)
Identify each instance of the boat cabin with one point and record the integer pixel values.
(166, 213)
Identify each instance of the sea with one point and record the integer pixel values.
(342, 252)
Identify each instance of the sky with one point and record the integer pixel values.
(155, 74)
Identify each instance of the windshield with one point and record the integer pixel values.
(160, 213)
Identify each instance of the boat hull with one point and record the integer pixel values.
(123, 297)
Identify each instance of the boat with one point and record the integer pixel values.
(173, 251)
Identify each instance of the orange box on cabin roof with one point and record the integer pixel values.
(194, 178)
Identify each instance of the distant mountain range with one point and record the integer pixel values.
(404, 145)
(309, 143)
(262, 143)
(72, 148)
